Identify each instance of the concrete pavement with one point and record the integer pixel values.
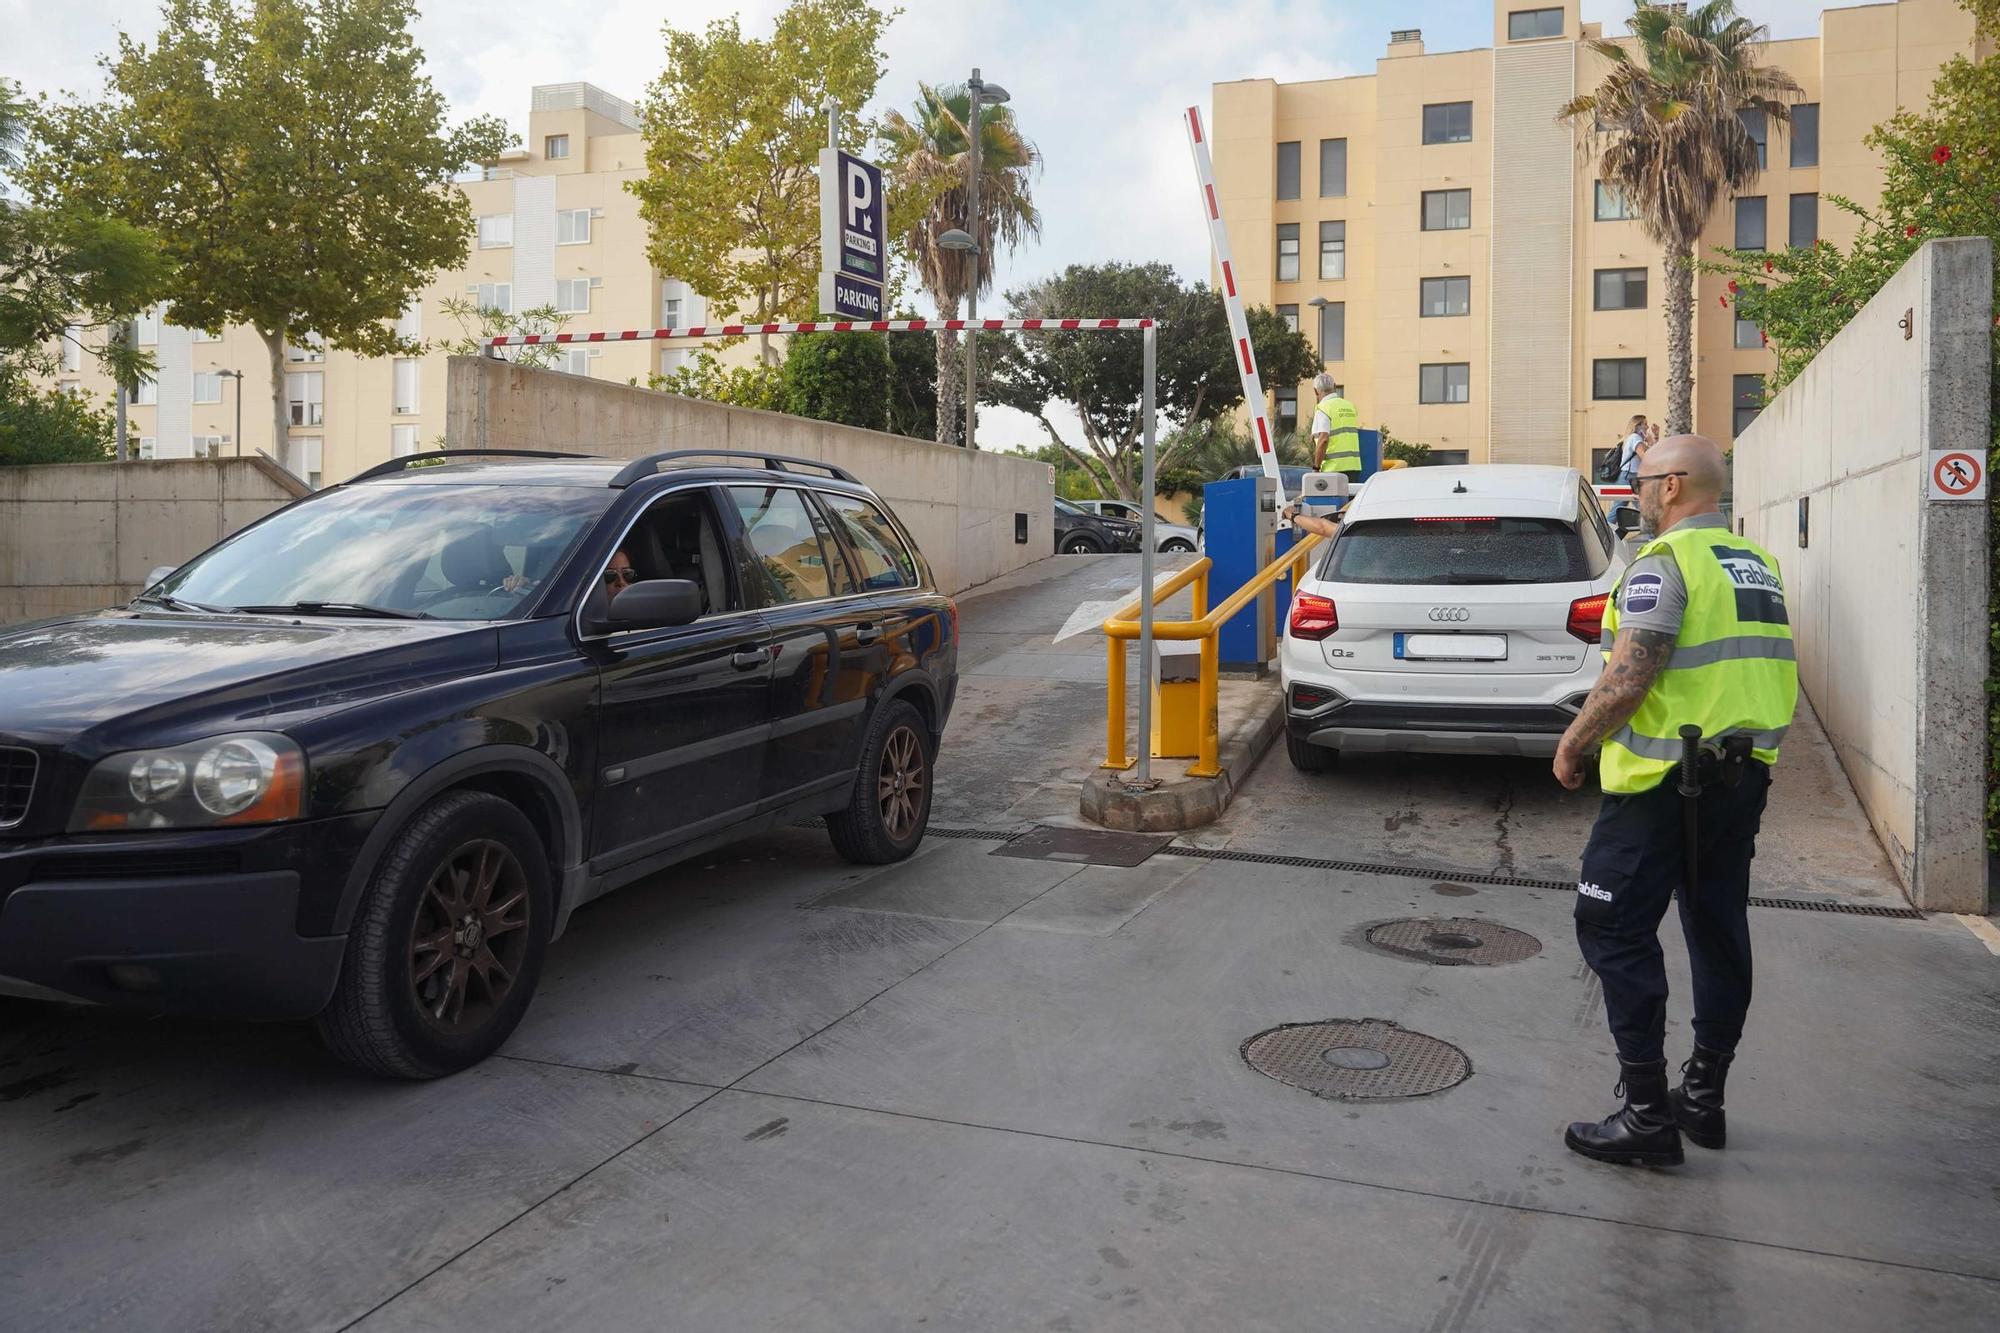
(774, 1091)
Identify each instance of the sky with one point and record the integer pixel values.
(1099, 85)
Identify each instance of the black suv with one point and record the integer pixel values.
(361, 760)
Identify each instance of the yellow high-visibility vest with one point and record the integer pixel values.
(1336, 419)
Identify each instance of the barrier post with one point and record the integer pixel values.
(1146, 665)
(1114, 704)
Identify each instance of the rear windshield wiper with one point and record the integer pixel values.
(173, 603)
(311, 608)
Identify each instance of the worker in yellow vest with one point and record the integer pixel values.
(1336, 430)
(1698, 637)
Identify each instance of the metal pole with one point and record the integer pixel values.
(978, 253)
(120, 331)
(833, 124)
(1146, 666)
(239, 414)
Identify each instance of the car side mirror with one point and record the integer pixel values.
(158, 574)
(1625, 522)
(655, 604)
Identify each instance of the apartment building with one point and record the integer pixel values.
(554, 226)
(1464, 274)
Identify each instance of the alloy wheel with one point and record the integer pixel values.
(901, 784)
(469, 938)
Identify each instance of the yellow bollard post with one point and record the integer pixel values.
(1114, 705)
(1209, 764)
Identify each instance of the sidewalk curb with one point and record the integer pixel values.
(1181, 802)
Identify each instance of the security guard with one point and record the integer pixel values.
(1336, 430)
(1699, 636)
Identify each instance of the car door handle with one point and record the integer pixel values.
(867, 634)
(747, 658)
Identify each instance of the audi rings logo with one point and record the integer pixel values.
(1454, 614)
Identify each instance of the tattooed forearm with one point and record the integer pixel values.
(1637, 659)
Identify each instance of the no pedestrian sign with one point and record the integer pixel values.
(1957, 474)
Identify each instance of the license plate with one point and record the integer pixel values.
(1451, 647)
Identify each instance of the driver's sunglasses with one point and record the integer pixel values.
(1657, 476)
(617, 576)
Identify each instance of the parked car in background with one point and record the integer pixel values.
(360, 761)
(1168, 538)
(1080, 532)
(1458, 610)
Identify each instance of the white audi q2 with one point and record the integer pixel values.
(1457, 611)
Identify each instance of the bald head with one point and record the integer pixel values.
(1700, 458)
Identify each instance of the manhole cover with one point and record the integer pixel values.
(1083, 846)
(1454, 940)
(1355, 1058)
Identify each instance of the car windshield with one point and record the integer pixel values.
(1073, 511)
(471, 552)
(1457, 551)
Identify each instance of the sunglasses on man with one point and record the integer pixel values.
(616, 577)
(1656, 476)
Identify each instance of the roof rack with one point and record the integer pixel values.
(650, 464)
(407, 460)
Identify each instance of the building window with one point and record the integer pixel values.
(1746, 394)
(204, 336)
(671, 308)
(496, 231)
(305, 390)
(1450, 382)
(409, 375)
(1332, 168)
(1805, 134)
(576, 360)
(402, 441)
(1448, 122)
(1287, 410)
(1525, 25)
(1288, 170)
(1333, 331)
(310, 347)
(207, 387)
(147, 392)
(494, 296)
(1804, 220)
(1618, 377)
(146, 327)
(1290, 314)
(1332, 251)
(555, 146)
(1620, 289)
(1444, 296)
(74, 388)
(410, 324)
(1758, 126)
(1750, 223)
(72, 348)
(1449, 457)
(573, 226)
(148, 446)
(1288, 252)
(208, 446)
(1748, 335)
(573, 294)
(1447, 210)
(1612, 206)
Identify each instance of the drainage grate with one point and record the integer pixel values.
(1355, 1059)
(1081, 846)
(1454, 941)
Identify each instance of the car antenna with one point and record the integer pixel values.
(1459, 488)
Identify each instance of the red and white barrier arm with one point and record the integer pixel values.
(820, 326)
(1232, 300)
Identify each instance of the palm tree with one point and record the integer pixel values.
(1666, 134)
(926, 159)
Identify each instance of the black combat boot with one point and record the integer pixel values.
(1642, 1132)
(1697, 1101)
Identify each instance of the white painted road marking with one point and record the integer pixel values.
(1988, 933)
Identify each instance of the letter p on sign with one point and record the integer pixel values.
(860, 199)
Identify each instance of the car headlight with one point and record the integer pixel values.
(253, 778)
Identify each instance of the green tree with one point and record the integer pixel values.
(476, 323)
(293, 157)
(844, 377)
(913, 390)
(1664, 130)
(733, 130)
(760, 386)
(1412, 453)
(928, 157)
(1101, 375)
(49, 425)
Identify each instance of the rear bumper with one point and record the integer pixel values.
(1506, 729)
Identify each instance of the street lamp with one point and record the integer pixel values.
(1319, 303)
(237, 375)
(993, 95)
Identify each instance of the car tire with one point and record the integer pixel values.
(392, 1015)
(890, 807)
(1177, 547)
(1080, 546)
(1307, 757)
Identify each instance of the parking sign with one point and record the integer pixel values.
(853, 236)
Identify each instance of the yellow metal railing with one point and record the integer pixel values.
(1123, 626)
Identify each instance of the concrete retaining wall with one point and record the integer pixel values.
(80, 536)
(959, 505)
(1889, 596)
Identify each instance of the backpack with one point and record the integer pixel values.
(1614, 459)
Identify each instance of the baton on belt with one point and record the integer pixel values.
(1690, 787)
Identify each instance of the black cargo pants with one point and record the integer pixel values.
(1631, 867)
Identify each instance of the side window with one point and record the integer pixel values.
(1599, 542)
(885, 562)
(838, 573)
(677, 537)
(784, 544)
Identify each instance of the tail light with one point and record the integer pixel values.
(1586, 617)
(1312, 617)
